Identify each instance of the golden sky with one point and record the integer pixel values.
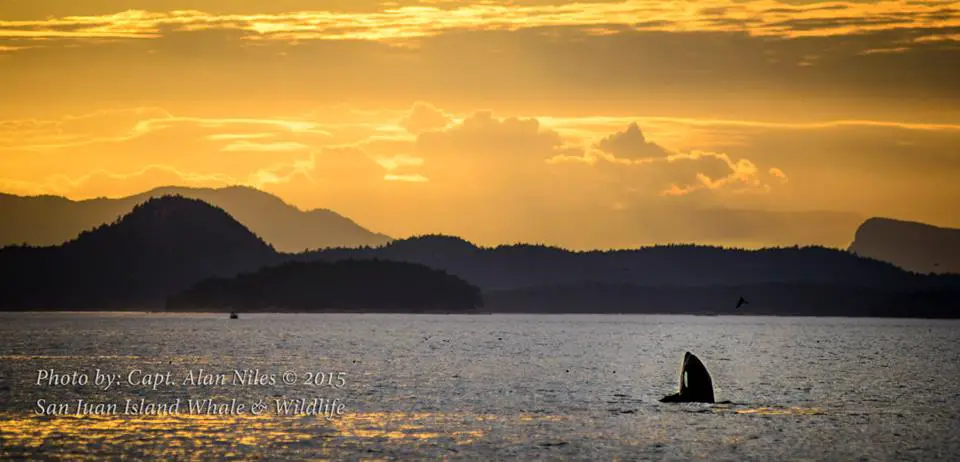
(593, 124)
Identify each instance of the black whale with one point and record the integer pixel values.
(695, 383)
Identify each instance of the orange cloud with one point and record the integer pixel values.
(104, 183)
(756, 17)
(424, 117)
(631, 144)
(12, 48)
(238, 136)
(483, 134)
(710, 170)
(113, 125)
(608, 122)
(534, 165)
(743, 172)
(264, 147)
(415, 178)
(778, 173)
(330, 168)
(123, 125)
(399, 161)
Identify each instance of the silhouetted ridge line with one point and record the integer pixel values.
(348, 285)
(524, 265)
(169, 244)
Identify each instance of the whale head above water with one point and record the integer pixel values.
(695, 383)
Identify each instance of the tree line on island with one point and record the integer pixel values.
(184, 254)
(347, 285)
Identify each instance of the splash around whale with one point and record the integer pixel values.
(696, 386)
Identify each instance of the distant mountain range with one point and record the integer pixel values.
(53, 220)
(187, 254)
(914, 246)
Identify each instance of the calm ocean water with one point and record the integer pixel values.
(477, 387)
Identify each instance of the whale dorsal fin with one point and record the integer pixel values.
(695, 381)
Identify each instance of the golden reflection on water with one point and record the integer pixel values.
(781, 411)
(418, 426)
(178, 434)
(186, 436)
(203, 436)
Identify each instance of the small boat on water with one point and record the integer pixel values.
(233, 315)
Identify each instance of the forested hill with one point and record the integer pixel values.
(162, 246)
(348, 285)
(169, 244)
(522, 265)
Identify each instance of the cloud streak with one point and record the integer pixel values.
(757, 18)
(603, 159)
(247, 146)
(106, 183)
(122, 125)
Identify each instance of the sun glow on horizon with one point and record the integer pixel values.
(546, 121)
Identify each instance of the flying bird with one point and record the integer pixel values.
(741, 302)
